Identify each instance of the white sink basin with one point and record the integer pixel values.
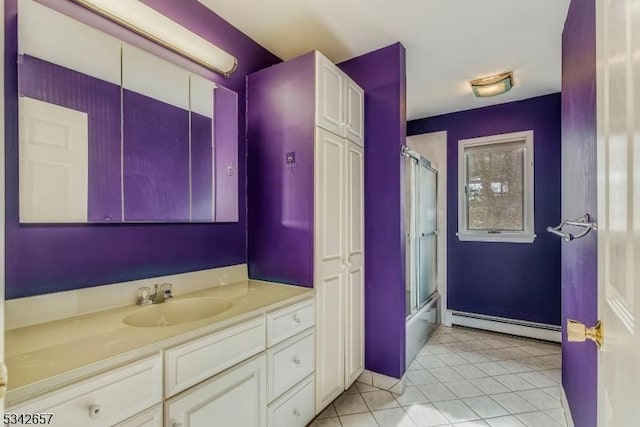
(177, 312)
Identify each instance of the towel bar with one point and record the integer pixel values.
(583, 221)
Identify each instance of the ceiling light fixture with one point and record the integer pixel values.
(492, 85)
(147, 22)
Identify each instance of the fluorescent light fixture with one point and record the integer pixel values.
(147, 22)
(492, 85)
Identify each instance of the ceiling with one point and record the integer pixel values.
(448, 42)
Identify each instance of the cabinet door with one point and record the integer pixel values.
(330, 264)
(330, 105)
(355, 112)
(354, 298)
(235, 398)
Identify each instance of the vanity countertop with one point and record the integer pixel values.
(43, 357)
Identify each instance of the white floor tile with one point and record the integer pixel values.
(475, 423)
(537, 419)
(326, 422)
(555, 392)
(513, 382)
(537, 379)
(381, 399)
(489, 385)
(554, 360)
(436, 392)
(474, 356)
(396, 417)
(426, 415)
(411, 396)
(535, 363)
(470, 372)
(540, 399)
(557, 415)
(445, 374)
(514, 366)
(513, 403)
(458, 347)
(431, 361)
(359, 420)
(453, 359)
(508, 421)
(350, 404)
(437, 349)
(456, 411)
(463, 389)
(485, 407)
(492, 368)
(363, 388)
(328, 412)
(422, 377)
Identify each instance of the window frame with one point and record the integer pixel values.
(527, 235)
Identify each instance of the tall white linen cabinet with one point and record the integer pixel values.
(305, 145)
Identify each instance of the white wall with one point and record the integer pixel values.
(433, 147)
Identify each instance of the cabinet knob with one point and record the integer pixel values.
(95, 411)
(297, 361)
(296, 319)
(297, 412)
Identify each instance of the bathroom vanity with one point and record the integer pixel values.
(252, 364)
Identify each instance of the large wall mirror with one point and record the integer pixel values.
(111, 133)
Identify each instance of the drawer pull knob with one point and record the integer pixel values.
(95, 411)
(296, 412)
(296, 319)
(297, 361)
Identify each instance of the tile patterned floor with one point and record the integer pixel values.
(464, 378)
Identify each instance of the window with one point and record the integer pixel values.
(495, 179)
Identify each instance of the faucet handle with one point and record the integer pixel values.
(144, 296)
(167, 289)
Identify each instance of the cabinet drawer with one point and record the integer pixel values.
(149, 418)
(289, 362)
(195, 361)
(296, 408)
(287, 322)
(103, 400)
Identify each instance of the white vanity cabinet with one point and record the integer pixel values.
(256, 373)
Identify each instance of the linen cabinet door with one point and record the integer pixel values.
(355, 112)
(236, 398)
(354, 298)
(330, 105)
(155, 102)
(330, 264)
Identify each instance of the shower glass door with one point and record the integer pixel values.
(427, 232)
(422, 234)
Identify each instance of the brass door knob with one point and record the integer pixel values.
(578, 332)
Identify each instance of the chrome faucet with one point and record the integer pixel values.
(161, 294)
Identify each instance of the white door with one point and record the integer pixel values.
(330, 105)
(618, 41)
(236, 398)
(355, 112)
(330, 265)
(354, 299)
(54, 162)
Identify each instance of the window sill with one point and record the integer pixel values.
(496, 238)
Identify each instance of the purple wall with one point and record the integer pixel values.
(280, 118)
(42, 258)
(512, 280)
(381, 74)
(155, 159)
(579, 195)
(101, 101)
